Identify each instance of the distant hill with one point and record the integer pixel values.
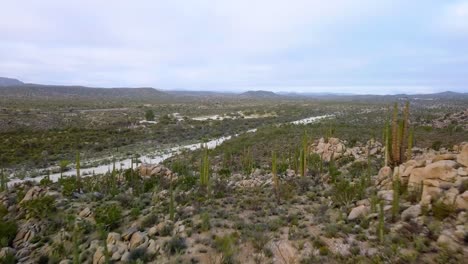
(80, 92)
(9, 82)
(260, 94)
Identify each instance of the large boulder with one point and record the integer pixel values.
(443, 170)
(33, 193)
(411, 212)
(138, 239)
(462, 158)
(358, 212)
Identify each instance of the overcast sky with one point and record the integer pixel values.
(358, 46)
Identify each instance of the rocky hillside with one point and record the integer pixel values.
(347, 208)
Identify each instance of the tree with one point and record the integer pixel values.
(149, 115)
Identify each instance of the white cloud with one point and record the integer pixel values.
(455, 18)
(204, 44)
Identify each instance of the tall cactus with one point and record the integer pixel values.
(78, 177)
(303, 158)
(396, 195)
(204, 168)
(410, 144)
(387, 144)
(395, 138)
(399, 138)
(3, 181)
(274, 173)
(404, 139)
(381, 224)
(171, 201)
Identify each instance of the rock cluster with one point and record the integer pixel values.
(439, 177)
(156, 170)
(336, 148)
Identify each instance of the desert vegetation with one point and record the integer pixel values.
(375, 183)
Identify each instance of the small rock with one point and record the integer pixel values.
(113, 238)
(85, 213)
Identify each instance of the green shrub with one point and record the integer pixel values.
(109, 215)
(324, 251)
(226, 246)
(442, 210)
(138, 254)
(40, 207)
(69, 185)
(8, 230)
(344, 193)
(8, 259)
(175, 245)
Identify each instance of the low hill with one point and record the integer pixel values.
(81, 92)
(260, 94)
(9, 82)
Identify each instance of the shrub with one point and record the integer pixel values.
(344, 193)
(138, 254)
(226, 245)
(175, 245)
(442, 210)
(9, 258)
(324, 251)
(68, 185)
(7, 232)
(108, 215)
(40, 207)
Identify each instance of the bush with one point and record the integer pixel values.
(226, 245)
(40, 207)
(68, 185)
(138, 254)
(9, 258)
(8, 232)
(442, 210)
(108, 215)
(344, 193)
(175, 245)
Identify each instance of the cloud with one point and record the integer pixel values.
(455, 18)
(242, 44)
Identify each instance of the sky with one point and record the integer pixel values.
(343, 46)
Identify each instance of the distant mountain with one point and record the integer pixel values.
(9, 82)
(260, 94)
(37, 91)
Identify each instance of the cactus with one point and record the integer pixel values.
(204, 168)
(303, 156)
(247, 160)
(399, 139)
(381, 224)
(63, 164)
(410, 144)
(275, 176)
(395, 138)
(78, 179)
(171, 202)
(76, 245)
(387, 144)
(396, 196)
(404, 131)
(3, 181)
